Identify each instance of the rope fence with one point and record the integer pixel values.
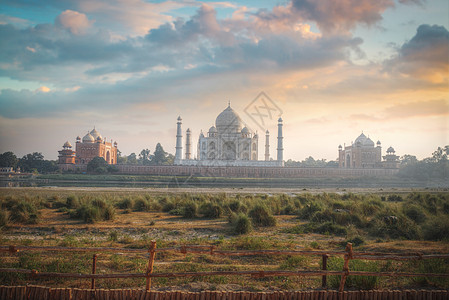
(348, 255)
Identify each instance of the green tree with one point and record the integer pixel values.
(8, 159)
(121, 160)
(160, 157)
(144, 157)
(97, 165)
(31, 162)
(132, 159)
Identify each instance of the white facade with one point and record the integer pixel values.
(228, 143)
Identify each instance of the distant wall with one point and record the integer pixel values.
(253, 172)
(242, 172)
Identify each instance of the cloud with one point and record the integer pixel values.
(421, 109)
(77, 23)
(341, 15)
(425, 56)
(43, 89)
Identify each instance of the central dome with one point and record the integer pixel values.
(228, 121)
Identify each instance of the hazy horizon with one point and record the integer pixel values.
(334, 69)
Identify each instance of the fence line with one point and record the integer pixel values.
(348, 255)
(45, 293)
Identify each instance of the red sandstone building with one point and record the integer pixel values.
(92, 145)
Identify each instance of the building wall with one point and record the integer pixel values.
(85, 152)
(355, 157)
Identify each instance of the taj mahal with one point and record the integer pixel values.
(231, 149)
(228, 143)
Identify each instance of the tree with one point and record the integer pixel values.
(121, 160)
(34, 162)
(144, 157)
(31, 162)
(132, 159)
(159, 156)
(408, 159)
(8, 159)
(97, 165)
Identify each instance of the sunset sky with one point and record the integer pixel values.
(334, 68)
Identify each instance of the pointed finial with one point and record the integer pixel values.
(229, 103)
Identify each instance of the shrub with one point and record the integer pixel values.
(24, 212)
(323, 228)
(89, 213)
(242, 224)
(396, 227)
(415, 213)
(4, 218)
(100, 203)
(261, 216)
(235, 206)
(309, 210)
(190, 210)
(211, 210)
(141, 205)
(168, 206)
(108, 213)
(72, 202)
(436, 230)
(126, 204)
(395, 198)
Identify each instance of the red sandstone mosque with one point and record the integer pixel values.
(92, 145)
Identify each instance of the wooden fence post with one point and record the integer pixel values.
(94, 270)
(348, 256)
(324, 268)
(150, 264)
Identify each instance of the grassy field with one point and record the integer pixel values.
(372, 219)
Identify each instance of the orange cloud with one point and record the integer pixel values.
(77, 23)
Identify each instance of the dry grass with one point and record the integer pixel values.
(136, 229)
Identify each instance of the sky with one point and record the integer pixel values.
(331, 69)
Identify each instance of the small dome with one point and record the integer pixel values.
(267, 132)
(67, 145)
(228, 121)
(188, 130)
(340, 147)
(245, 130)
(78, 138)
(280, 120)
(95, 134)
(390, 150)
(99, 139)
(361, 139)
(378, 143)
(212, 129)
(368, 142)
(88, 138)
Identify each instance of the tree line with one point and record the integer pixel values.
(433, 167)
(35, 162)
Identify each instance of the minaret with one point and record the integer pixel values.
(178, 154)
(188, 143)
(267, 145)
(280, 148)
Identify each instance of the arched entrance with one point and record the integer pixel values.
(348, 161)
(229, 151)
